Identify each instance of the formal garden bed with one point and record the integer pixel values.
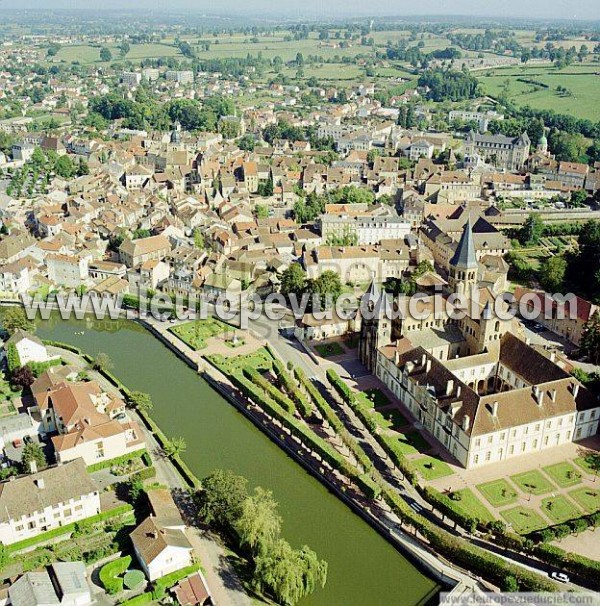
(329, 350)
(195, 334)
(533, 482)
(523, 520)
(563, 474)
(498, 492)
(560, 509)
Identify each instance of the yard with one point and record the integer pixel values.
(472, 506)
(390, 419)
(590, 463)
(524, 520)
(533, 482)
(195, 334)
(431, 468)
(587, 498)
(260, 360)
(498, 492)
(564, 474)
(560, 509)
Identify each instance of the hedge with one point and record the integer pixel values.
(334, 421)
(361, 411)
(144, 474)
(559, 531)
(447, 507)
(110, 574)
(161, 585)
(271, 390)
(144, 598)
(304, 406)
(66, 346)
(68, 528)
(576, 564)
(117, 461)
(13, 361)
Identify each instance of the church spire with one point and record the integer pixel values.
(464, 256)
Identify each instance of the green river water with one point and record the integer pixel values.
(364, 570)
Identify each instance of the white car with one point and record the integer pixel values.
(561, 577)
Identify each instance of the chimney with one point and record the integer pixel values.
(575, 389)
(40, 483)
(449, 387)
(428, 366)
(495, 409)
(458, 391)
(466, 423)
(33, 467)
(423, 359)
(553, 395)
(539, 395)
(553, 356)
(396, 358)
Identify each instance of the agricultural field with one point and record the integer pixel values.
(88, 54)
(537, 87)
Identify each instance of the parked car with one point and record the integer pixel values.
(561, 577)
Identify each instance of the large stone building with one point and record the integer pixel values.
(478, 389)
(510, 153)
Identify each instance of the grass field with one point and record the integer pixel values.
(86, 54)
(377, 397)
(560, 509)
(431, 468)
(590, 463)
(393, 419)
(583, 82)
(564, 474)
(523, 519)
(533, 482)
(472, 506)
(498, 492)
(587, 498)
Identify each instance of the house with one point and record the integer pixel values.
(84, 417)
(135, 252)
(63, 583)
(510, 153)
(160, 542)
(69, 271)
(29, 347)
(54, 497)
(193, 591)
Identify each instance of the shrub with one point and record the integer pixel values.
(111, 574)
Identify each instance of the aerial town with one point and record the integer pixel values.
(426, 424)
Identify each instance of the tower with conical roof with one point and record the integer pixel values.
(463, 265)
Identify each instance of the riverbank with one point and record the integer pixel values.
(442, 571)
(363, 568)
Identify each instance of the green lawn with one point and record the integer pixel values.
(472, 506)
(560, 509)
(533, 482)
(195, 334)
(261, 360)
(329, 350)
(390, 419)
(498, 492)
(431, 468)
(588, 498)
(590, 463)
(378, 398)
(564, 474)
(523, 519)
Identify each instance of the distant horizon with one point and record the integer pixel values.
(538, 10)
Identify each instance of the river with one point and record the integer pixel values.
(364, 570)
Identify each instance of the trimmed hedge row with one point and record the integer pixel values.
(117, 461)
(13, 360)
(272, 391)
(304, 406)
(334, 421)
(360, 410)
(144, 598)
(249, 387)
(110, 574)
(449, 508)
(164, 583)
(559, 531)
(579, 565)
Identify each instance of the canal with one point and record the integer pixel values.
(363, 568)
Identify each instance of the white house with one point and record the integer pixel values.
(160, 542)
(29, 347)
(36, 503)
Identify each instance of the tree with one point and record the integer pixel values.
(101, 362)
(105, 55)
(510, 584)
(32, 452)
(23, 377)
(552, 274)
(14, 318)
(124, 47)
(175, 447)
(64, 167)
(259, 524)
(532, 230)
(293, 280)
(221, 498)
(328, 287)
(590, 339)
(578, 198)
(140, 401)
(199, 240)
(288, 574)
